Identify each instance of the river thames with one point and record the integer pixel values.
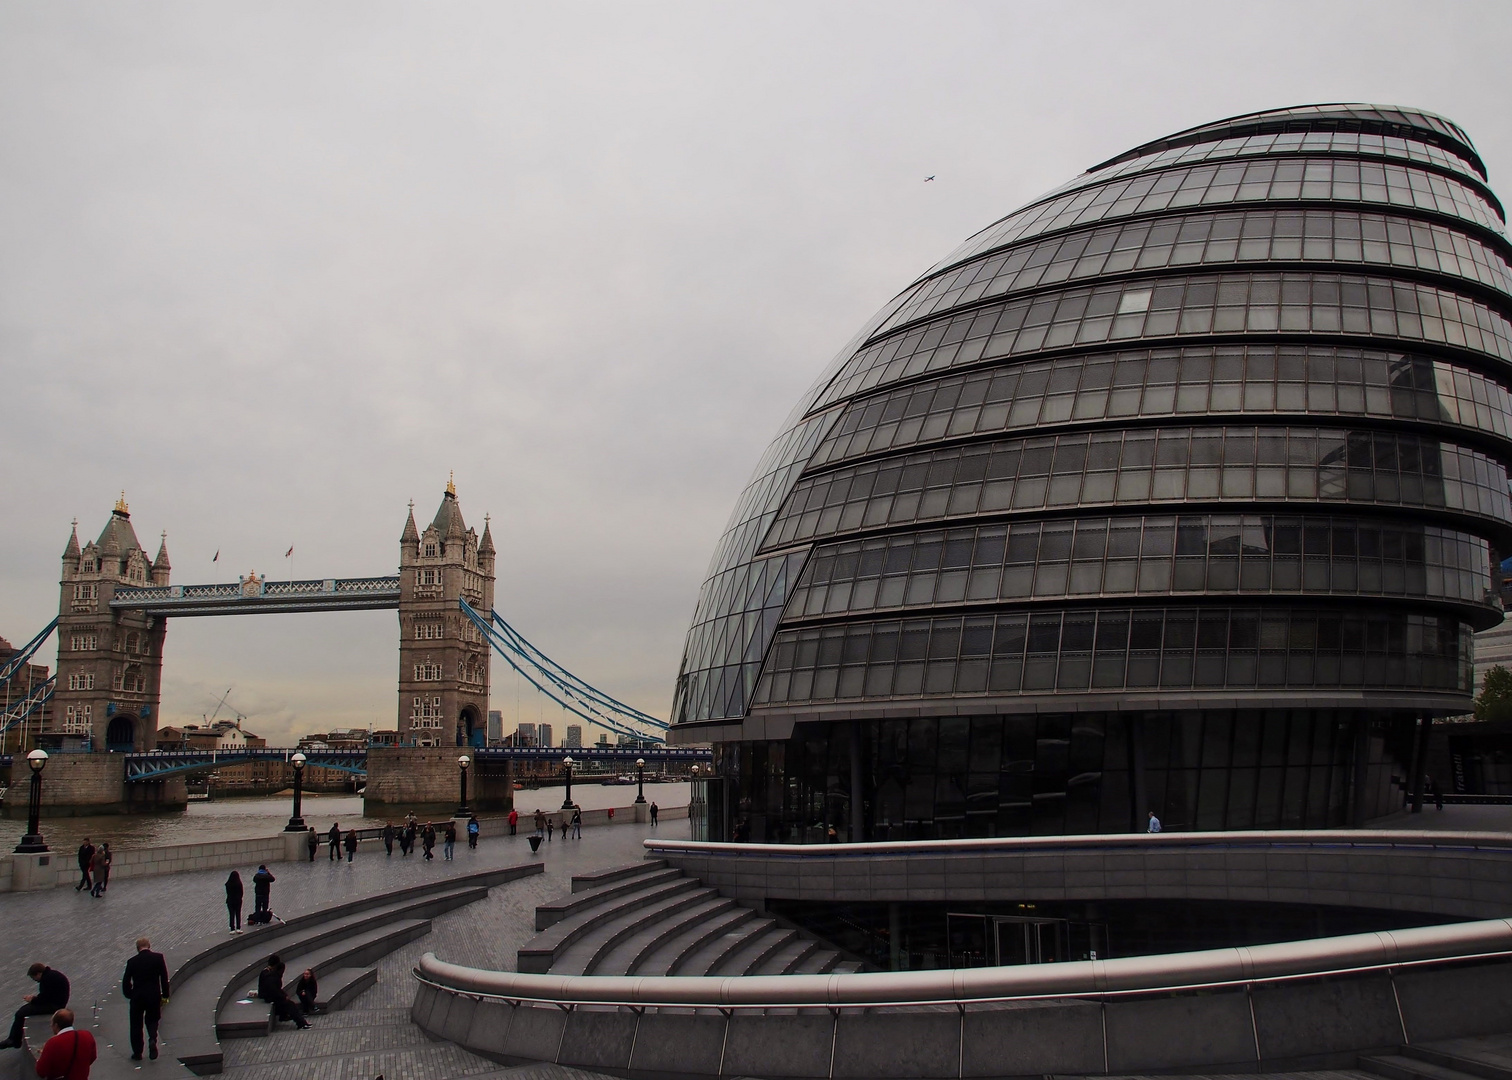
(242, 819)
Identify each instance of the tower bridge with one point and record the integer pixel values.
(115, 604)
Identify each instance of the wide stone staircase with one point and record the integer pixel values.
(651, 919)
(214, 980)
(1485, 1057)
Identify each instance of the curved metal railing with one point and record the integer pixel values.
(1490, 939)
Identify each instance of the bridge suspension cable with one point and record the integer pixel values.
(28, 650)
(17, 711)
(562, 686)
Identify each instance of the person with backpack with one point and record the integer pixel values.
(70, 1052)
(473, 828)
(262, 892)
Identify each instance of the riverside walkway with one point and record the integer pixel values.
(90, 940)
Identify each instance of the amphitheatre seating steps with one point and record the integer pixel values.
(646, 919)
(208, 972)
(548, 915)
(1485, 1057)
(669, 957)
(621, 952)
(242, 1015)
(1402, 1067)
(541, 952)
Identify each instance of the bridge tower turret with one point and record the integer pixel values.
(110, 663)
(443, 659)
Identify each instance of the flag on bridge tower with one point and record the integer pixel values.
(216, 557)
(289, 553)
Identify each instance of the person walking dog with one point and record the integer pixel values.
(145, 986)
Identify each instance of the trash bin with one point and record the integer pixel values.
(535, 842)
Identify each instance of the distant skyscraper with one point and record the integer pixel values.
(495, 725)
(574, 735)
(543, 733)
(526, 736)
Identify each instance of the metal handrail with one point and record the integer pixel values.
(1295, 838)
(1353, 954)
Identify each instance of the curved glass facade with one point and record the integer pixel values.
(1207, 447)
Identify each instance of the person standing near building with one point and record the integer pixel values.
(388, 838)
(351, 843)
(100, 864)
(1153, 826)
(69, 1053)
(333, 840)
(450, 845)
(145, 986)
(312, 842)
(577, 822)
(262, 890)
(51, 995)
(655, 810)
(514, 820)
(86, 855)
(234, 894)
(473, 828)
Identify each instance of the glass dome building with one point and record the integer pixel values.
(1181, 489)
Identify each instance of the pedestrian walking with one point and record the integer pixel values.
(514, 820)
(86, 854)
(550, 828)
(540, 821)
(312, 842)
(577, 822)
(428, 841)
(234, 893)
(271, 989)
(99, 864)
(1153, 826)
(70, 1052)
(333, 841)
(51, 995)
(473, 828)
(351, 843)
(307, 989)
(451, 840)
(388, 838)
(407, 840)
(655, 810)
(145, 985)
(262, 890)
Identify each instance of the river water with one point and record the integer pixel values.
(245, 819)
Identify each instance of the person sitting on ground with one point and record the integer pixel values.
(271, 989)
(70, 1052)
(51, 995)
(307, 990)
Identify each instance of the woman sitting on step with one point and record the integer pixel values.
(270, 988)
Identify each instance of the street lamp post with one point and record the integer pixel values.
(297, 823)
(462, 808)
(32, 841)
(640, 779)
(567, 765)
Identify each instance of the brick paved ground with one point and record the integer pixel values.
(90, 940)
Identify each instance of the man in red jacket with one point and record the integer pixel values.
(69, 1053)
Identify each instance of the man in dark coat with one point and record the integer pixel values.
(351, 843)
(388, 837)
(145, 986)
(270, 988)
(86, 855)
(51, 995)
(262, 889)
(333, 839)
(428, 840)
(312, 842)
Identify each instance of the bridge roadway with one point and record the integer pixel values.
(159, 763)
(261, 596)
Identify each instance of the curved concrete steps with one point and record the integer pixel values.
(646, 919)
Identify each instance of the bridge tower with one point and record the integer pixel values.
(443, 659)
(110, 663)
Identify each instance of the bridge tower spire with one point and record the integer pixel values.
(443, 661)
(110, 663)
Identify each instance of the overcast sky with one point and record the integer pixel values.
(275, 269)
